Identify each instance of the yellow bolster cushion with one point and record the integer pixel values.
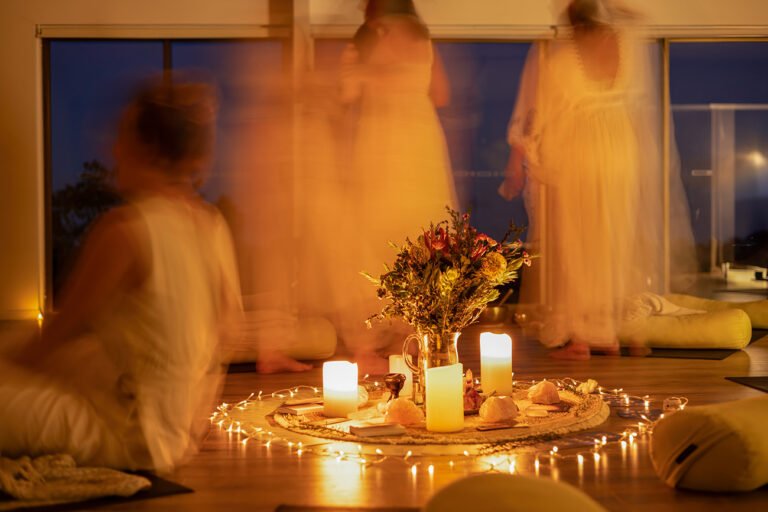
(757, 310)
(717, 448)
(725, 329)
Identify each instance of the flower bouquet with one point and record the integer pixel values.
(442, 282)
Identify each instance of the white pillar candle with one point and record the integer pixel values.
(496, 363)
(397, 365)
(339, 388)
(445, 398)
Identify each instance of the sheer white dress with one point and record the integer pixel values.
(401, 178)
(594, 190)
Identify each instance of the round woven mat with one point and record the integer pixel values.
(576, 412)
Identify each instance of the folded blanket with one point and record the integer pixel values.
(53, 479)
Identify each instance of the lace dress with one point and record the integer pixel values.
(593, 192)
(401, 178)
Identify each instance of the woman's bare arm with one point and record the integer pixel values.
(111, 262)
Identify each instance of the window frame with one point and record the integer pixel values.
(300, 37)
(97, 33)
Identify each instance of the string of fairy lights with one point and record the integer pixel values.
(577, 447)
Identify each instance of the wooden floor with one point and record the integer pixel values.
(225, 475)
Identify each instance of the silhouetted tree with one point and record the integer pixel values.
(73, 208)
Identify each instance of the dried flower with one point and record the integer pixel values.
(493, 266)
(443, 281)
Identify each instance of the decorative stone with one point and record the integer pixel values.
(498, 409)
(544, 393)
(404, 411)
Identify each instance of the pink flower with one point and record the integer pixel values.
(482, 237)
(483, 243)
(478, 252)
(438, 241)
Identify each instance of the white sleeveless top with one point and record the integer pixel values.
(163, 337)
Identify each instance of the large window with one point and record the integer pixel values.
(719, 100)
(719, 95)
(90, 82)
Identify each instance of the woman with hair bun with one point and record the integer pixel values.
(587, 129)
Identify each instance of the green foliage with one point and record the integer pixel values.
(443, 281)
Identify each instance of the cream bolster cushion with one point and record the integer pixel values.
(311, 338)
(722, 447)
(498, 492)
(725, 329)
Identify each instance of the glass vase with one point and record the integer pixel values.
(433, 350)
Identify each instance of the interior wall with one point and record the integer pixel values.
(545, 12)
(21, 148)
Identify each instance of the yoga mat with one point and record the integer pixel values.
(160, 487)
(309, 508)
(249, 367)
(714, 354)
(760, 383)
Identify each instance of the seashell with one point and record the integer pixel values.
(403, 411)
(498, 409)
(544, 393)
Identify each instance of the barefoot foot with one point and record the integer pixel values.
(279, 363)
(572, 351)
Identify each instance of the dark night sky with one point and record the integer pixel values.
(92, 80)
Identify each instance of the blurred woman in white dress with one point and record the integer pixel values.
(125, 374)
(401, 178)
(587, 127)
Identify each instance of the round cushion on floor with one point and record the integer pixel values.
(497, 492)
(721, 447)
(724, 329)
